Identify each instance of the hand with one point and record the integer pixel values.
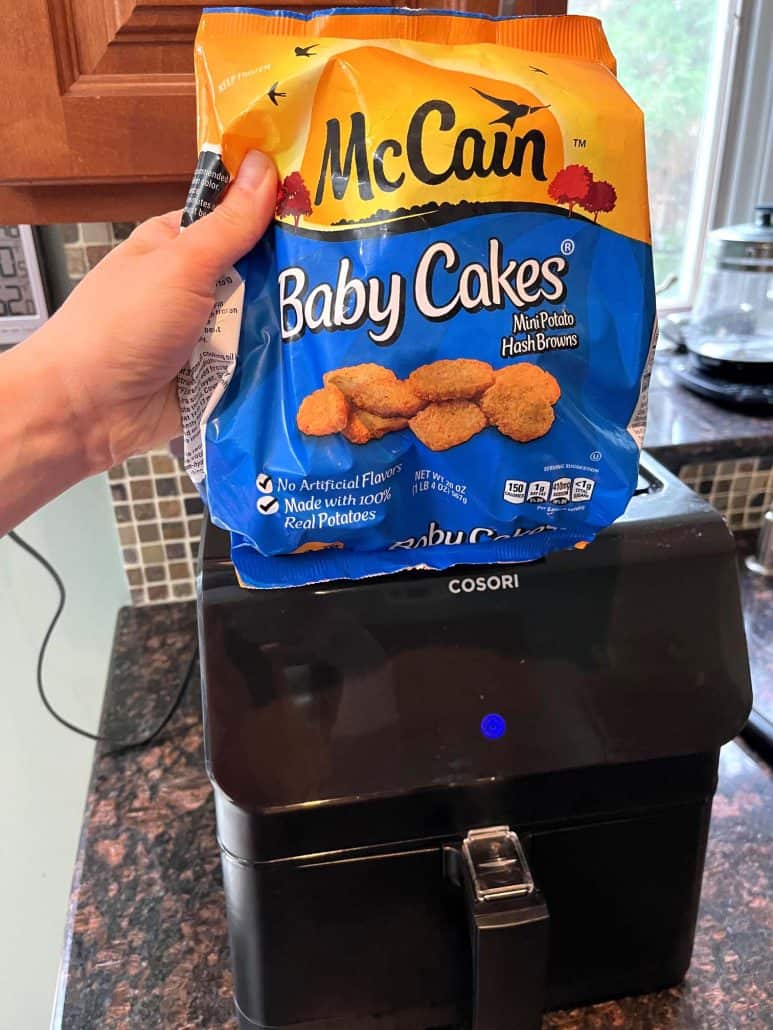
(131, 324)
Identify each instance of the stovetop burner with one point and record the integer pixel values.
(722, 385)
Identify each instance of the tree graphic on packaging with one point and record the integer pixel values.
(575, 185)
(292, 198)
(601, 196)
(570, 185)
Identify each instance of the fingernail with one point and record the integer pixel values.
(253, 168)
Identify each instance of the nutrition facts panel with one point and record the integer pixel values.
(544, 491)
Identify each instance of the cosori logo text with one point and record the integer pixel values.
(474, 153)
(480, 584)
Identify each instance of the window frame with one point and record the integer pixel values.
(703, 202)
(734, 166)
(746, 172)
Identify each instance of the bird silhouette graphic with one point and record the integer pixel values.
(305, 51)
(534, 68)
(513, 111)
(273, 95)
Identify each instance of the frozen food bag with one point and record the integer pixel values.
(439, 352)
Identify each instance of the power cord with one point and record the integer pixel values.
(101, 738)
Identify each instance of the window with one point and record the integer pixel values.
(675, 58)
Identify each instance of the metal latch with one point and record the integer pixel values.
(509, 927)
(496, 864)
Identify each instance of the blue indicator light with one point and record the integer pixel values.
(493, 726)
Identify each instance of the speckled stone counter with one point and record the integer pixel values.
(683, 428)
(146, 943)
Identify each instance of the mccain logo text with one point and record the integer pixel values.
(474, 154)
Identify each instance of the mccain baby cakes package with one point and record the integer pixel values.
(439, 352)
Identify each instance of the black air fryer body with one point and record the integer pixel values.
(453, 799)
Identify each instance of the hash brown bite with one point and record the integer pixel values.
(377, 389)
(379, 425)
(451, 379)
(352, 377)
(364, 426)
(530, 377)
(388, 399)
(528, 420)
(355, 429)
(323, 412)
(445, 424)
(520, 414)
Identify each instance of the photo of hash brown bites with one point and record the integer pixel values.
(352, 377)
(517, 413)
(364, 426)
(445, 402)
(323, 412)
(389, 400)
(380, 426)
(530, 377)
(445, 424)
(376, 389)
(355, 429)
(451, 379)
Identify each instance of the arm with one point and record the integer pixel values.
(41, 453)
(97, 382)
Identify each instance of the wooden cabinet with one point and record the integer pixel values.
(99, 106)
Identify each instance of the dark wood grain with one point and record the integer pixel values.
(101, 92)
(89, 202)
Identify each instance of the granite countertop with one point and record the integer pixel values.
(683, 428)
(146, 942)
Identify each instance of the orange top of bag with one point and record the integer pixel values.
(252, 64)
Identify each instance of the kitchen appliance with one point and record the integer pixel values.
(729, 337)
(23, 305)
(454, 799)
(761, 563)
(758, 732)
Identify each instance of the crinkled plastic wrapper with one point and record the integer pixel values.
(439, 352)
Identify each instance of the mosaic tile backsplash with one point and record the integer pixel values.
(158, 512)
(86, 243)
(741, 490)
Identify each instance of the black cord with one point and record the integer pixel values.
(119, 744)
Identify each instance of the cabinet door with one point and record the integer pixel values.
(99, 107)
(99, 112)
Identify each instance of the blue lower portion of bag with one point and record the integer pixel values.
(323, 566)
(506, 286)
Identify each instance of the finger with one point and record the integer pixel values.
(170, 222)
(212, 244)
(155, 231)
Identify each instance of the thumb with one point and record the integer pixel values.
(212, 244)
